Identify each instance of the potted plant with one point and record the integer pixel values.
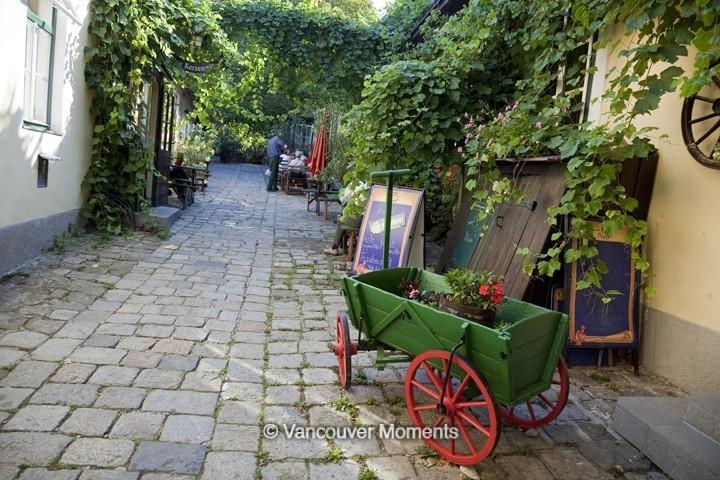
(473, 295)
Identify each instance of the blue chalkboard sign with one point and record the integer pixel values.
(405, 207)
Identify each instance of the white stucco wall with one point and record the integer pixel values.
(70, 140)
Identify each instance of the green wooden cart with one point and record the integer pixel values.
(461, 374)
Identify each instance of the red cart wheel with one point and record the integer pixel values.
(344, 349)
(476, 420)
(545, 407)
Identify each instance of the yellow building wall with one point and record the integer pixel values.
(22, 200)
(681, 326)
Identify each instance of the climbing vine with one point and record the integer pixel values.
(130, 43)
(504, 79)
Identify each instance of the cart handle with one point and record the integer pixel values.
(390, 175)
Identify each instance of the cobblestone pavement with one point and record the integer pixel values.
(164, 359)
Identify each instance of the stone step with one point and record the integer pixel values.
(657, 428)
(163, 217)
(703, 413)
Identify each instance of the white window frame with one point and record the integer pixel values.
(48, 28)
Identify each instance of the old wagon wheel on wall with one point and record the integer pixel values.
(700, 123)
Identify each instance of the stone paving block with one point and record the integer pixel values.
(288, 360)
(198, 403)
(8, 472)
(212, 364)
(156, 378)
(55, 349)
(121, 329)
(229, 466)
(322, 416)
(284, 415)
(215, 350)
(154, 319)
(105, 306)
(138, 425)
(282, 395)
(323, 360)
(334, 471)
(30, 448)
(282, 376)
(569, 464)
(520, 467)
(77, 329)
(313, 346)
(276, 348)
(168, 345)
(241, 370)
(235, 437)
(201, 381)
(112, 375)
(41, 418)
(29, 373)
(137, 343)
(169, 457)
(121, 397)
(23, 339)
(62, 314)
(315, 376)
(47, 327)
(141, 359)
(248, 350)
(249, 392)
(187, 429)
(11, 398)
(92, 422)
(10, 357)
(97, 355)
(243, 413)
(392, 468)
(66, 394)
(127, 318)
(182, 363)
(34, 473)
(191, 333)
(285, 471)
(102, 340)
(108, 475)
(608, 454)
(321, 394)
(217, 336)
(155, 331)
(98, 452)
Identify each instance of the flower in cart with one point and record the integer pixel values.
(491, 291)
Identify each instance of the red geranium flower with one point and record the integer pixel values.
(484, 289)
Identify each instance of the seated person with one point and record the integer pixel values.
(177, 172)
(284, 162)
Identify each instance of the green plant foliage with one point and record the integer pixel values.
(195, 149)
(130, 42)
(414, 111)
(311, 54)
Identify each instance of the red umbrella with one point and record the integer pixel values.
(318, 157)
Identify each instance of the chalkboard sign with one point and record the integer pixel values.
(592, 323)
(403, 229)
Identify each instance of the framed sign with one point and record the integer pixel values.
(593, 323)
(406, 231)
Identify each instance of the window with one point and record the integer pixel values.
(39, 46)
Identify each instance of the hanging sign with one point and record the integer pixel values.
(406, 230)
(195, 67)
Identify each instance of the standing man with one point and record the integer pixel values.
(274, 148)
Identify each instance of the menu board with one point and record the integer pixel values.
(406, 204)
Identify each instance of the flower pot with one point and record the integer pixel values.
(474, 314)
